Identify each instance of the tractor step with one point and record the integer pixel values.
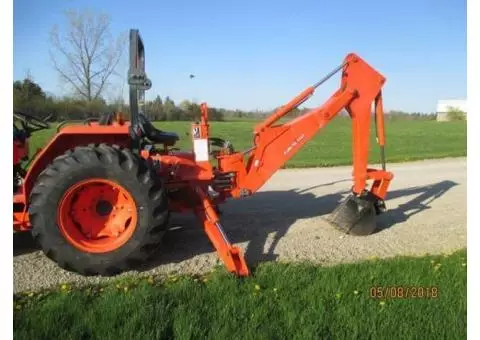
(357, 214)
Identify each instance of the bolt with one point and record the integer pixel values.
(244, 192)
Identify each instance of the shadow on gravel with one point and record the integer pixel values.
(254, 218)
(425, 196)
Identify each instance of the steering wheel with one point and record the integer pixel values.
(30, 120)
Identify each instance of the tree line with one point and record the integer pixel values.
(30, 98)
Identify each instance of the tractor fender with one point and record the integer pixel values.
(70, 137)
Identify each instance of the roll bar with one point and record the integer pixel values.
(137, 80)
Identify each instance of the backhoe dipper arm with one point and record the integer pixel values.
(275, 145)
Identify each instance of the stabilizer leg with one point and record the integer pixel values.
(231, 256)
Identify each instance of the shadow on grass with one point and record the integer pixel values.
(254, 218)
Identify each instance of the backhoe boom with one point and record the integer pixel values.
(276, 145)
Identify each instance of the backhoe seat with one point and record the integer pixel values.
(155, 135)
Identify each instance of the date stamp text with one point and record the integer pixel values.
(404, 292)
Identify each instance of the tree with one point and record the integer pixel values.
(190, 110)
(215, 114)
(170, 110)
(28, 89)
(154, 109)
(28, 97)
(118, 105)
(86, 53)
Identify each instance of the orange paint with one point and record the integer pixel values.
(97, 215)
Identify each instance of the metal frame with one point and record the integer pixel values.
(138, 82)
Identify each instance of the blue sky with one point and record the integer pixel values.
(259, 54)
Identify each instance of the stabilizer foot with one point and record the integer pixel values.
(238, 262)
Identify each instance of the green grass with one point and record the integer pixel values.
(281, 301)
(406, 141)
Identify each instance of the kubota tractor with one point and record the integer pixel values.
(97, 198)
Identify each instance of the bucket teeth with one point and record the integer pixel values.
(355, 216)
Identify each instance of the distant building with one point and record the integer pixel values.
(443, 107)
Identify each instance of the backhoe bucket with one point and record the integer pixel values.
(355, 216)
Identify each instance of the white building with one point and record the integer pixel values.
(443, 107)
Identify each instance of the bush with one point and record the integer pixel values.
(456, 114)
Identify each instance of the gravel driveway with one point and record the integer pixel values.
(285, 221)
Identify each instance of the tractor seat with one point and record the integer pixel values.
(155, 135)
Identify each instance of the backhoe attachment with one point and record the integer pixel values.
(360, 91)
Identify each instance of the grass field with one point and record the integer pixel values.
(281, 301)
(406, 141)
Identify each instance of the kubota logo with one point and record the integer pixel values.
(295, 142)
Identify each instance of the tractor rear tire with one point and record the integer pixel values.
(127, 172)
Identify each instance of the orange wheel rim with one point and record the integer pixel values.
(97, 215)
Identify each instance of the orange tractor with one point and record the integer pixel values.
(98, 197)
